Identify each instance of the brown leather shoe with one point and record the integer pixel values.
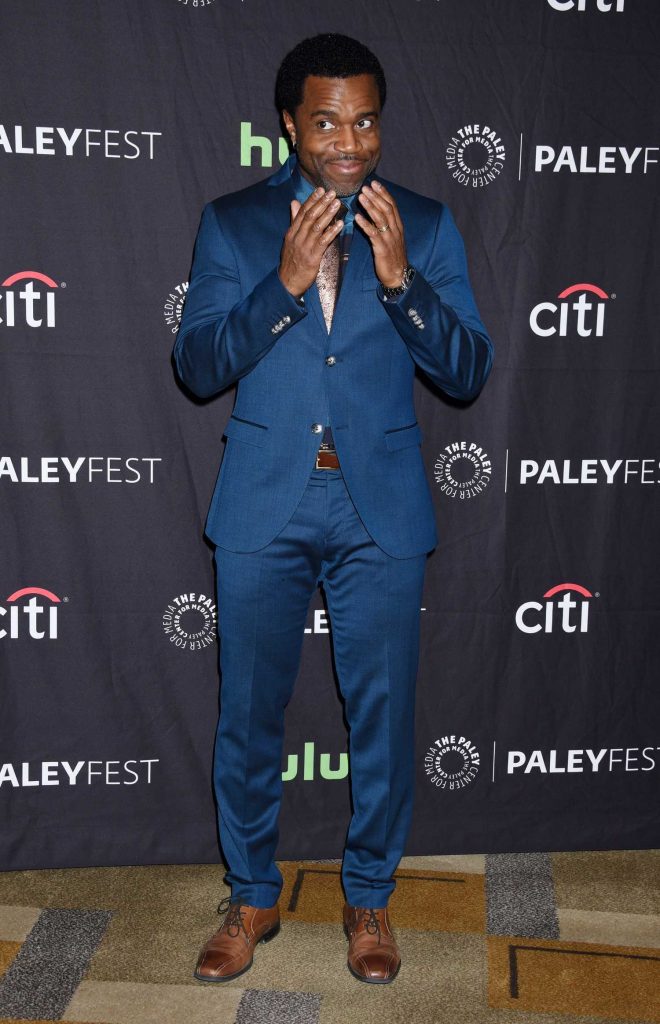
(228, 953)
(373, 955)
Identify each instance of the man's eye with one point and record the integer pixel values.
(320, 124)
(366, 122)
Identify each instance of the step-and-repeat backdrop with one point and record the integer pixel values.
(538, 123)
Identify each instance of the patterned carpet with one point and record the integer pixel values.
(503, 939)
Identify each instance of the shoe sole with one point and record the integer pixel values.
(370, 981)
(230, 977)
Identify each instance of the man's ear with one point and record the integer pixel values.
(290, 126)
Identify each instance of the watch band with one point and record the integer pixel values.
(393, 293)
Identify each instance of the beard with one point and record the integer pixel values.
(343, 191)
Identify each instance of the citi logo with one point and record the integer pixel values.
(33, 304)
(37, 617)
(583, 5)
(566, 613)
(585, 314)
(309, 766)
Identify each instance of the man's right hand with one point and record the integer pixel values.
(309, 235)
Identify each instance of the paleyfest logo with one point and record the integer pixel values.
(580, 311)
(189, 621)
(452, 762)
(595, 160)
(36, 617)
(462, 469)
(31, 303)
(27, 775)
(111, 143)
(589, 471)
(475, 155)
(534, 617)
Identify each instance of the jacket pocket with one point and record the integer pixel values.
(247, 431)
(403, 437)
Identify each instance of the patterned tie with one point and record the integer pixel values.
(326, 280)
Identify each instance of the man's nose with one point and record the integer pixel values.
(348, 141)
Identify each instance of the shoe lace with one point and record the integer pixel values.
(371, 922)
(233, 921)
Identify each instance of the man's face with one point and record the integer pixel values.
(337, 131)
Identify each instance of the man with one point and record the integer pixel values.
(318, 290)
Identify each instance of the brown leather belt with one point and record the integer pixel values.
(326, 459)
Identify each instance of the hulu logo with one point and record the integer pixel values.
(260, 142)
(309, 766)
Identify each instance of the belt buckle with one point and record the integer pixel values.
(324, 447)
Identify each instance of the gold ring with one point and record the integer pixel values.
(385, 227)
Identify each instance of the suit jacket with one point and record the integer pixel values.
(240, 324)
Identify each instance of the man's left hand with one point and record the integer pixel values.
(385, 232)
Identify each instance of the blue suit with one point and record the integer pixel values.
(280, 526)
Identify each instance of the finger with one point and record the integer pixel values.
(369, 228)
(383, 211)
(380, 190)
(303, 209)
(380, 211)
(295, 206)
(322, 240)
(317, 220)
(320, 243)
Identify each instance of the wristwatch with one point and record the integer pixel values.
(394, 293)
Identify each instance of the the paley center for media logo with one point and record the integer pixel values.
(189, 621)
(475, 155)
(463, 469)
(173, 306)
(30, 612)
(452, 762)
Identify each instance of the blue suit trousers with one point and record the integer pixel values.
(374, 604)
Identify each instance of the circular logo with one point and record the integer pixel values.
(173, 306)
(452, 762)
(463, 469)
(189, 622)
(475, 155)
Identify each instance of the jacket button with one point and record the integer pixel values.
(317, 428)
(331, 360)
(412, 312)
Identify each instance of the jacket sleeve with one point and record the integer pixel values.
(438, 320)
(223, 333)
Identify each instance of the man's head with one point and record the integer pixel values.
(330, 91)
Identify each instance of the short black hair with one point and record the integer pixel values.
(328, 55)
